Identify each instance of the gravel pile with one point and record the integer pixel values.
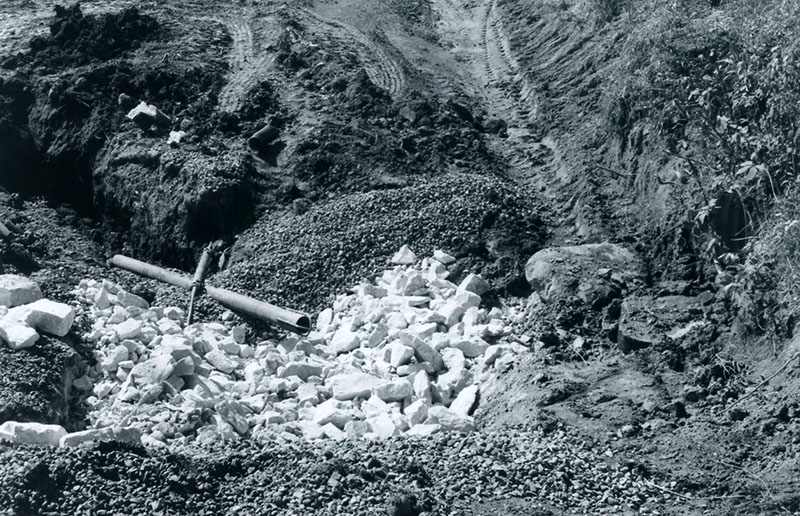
(405, 354)
(304, 259)
(440, 474)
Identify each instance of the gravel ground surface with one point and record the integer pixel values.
(555, 470)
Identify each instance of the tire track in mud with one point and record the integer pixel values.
(511, 94)
(381, 67)
(503, 71)
(479, 32)
(246, 66)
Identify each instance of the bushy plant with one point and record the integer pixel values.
(606, 10)
(722, 87)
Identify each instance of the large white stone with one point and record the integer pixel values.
(128, 329)
(356, 429)
(353, 385)
(324, 320)
(475, 284)
(453, 381)
(414, 368)
(465, 402)
(31, 433)
(16, 334)
(301, 369)
(455, 307)
(422, 386)
(253, 373)
(345, 340)
(92, 435)
(46, 316)
(422, 351)
(374, 407)
(127, 299)
(383, 426)
(153, 371)
(442, 257)
(331, 411)
(396, 320)
(492, 353)
(221, 360)
(471, 347)
(453, 358)
(417, 412)
(115, 356)
(449, 420)
(235, 414)
(378, 335)
(333, 432)
(394, 391)
(18, 290)
(400, 354)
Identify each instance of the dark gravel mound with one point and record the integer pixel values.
(304, 259)
(76, 39)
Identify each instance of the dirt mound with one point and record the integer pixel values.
(77, 39)
(303, 259)
(192, 198)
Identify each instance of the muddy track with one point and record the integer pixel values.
(506, 92)
(383, 69)
(246, 66)
(502, 70)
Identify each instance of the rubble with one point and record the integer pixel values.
(385, 360)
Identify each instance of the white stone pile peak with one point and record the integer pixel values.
(402, 355)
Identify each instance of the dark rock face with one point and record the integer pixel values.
(595, 274)
(645, 320)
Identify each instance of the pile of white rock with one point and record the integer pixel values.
(24, 313)
(406, 354)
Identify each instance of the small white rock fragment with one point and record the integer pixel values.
(404, 256)
(443, 257)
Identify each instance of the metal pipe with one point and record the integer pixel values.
(198, 281)
(287, 319)
(263, 137)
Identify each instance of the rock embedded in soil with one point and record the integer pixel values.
(593, 273)
(645, 320)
